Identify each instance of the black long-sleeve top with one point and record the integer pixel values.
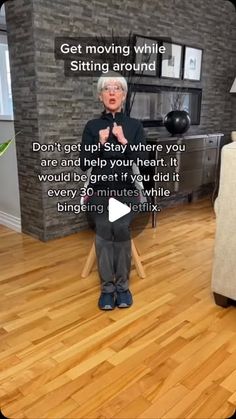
(134, 134)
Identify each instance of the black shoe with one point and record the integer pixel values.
(106, 301)
(124, 299)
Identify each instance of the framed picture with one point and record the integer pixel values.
(146, 52)
(152, 102)
(192, 63)
(171, 62)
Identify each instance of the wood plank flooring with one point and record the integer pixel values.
(171, 355)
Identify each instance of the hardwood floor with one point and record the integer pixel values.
(171, 355)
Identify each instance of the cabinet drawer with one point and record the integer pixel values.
(211, 141)
(210, 156)
(209, 174)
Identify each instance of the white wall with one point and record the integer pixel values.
(9, 186)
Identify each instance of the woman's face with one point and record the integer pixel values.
(112, 96)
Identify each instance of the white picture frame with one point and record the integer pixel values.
(192, 63)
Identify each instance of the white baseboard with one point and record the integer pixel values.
(10, 221)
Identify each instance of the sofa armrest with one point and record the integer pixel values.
(224, 263)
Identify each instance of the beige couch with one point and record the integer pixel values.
(224, 262)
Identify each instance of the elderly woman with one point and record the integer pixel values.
(112, 242)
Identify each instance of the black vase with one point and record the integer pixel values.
(177, 122)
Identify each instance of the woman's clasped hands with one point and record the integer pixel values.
(117, 131)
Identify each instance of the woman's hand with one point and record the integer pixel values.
(117, 130)
(103, 135)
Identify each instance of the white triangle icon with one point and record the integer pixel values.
(116, 209)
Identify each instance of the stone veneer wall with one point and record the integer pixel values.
(49, 107)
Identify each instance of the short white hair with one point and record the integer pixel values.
(111, 76)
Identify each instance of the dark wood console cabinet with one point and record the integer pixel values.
(197, 165)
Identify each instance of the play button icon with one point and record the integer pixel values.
(109, 215)
(116, 210)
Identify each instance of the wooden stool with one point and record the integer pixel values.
(92, 257)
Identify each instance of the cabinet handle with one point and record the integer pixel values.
(208, 158)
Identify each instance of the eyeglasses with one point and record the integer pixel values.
(110, 88)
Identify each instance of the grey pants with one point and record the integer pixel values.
(113, 249)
